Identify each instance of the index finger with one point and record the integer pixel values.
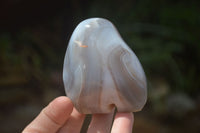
(123, 123)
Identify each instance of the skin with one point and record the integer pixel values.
(60, 116)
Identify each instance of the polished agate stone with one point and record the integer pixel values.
(101, 72)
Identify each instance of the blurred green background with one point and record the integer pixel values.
(164, 34)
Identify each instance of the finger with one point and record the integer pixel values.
(123, 123)
(74, 123)
(100, 123)
(52, 117)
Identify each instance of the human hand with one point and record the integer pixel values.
(60, 116)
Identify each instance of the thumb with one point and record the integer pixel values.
(52, 117)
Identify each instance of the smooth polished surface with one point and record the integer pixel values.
(101, 72)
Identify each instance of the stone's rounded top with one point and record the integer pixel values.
(94, 22)
(101, 72)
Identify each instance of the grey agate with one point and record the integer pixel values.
(101, 72)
